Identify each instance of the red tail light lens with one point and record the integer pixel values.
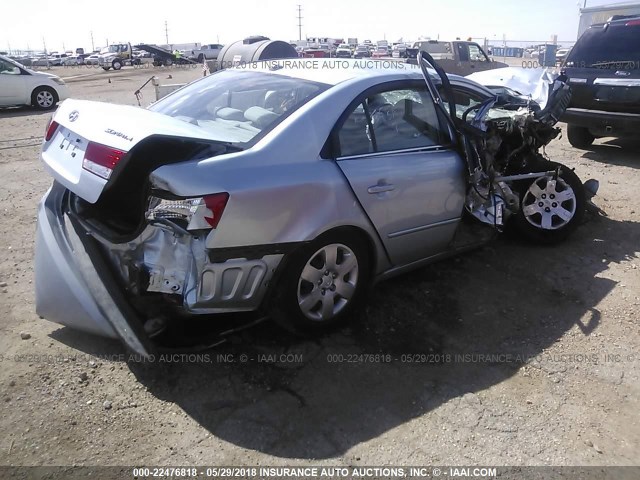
(101, 159)
(51, 129)
(200, 213)
(632, 23)
(216, 203)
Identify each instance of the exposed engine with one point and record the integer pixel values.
(506, 145)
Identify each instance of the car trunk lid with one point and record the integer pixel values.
(86, 127)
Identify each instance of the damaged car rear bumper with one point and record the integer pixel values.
(79, 267)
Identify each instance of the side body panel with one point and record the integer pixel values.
(414, 199)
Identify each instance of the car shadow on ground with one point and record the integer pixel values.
(10, 112)
(415, 346)
(616, 151)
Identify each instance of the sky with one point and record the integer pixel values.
(68, 24)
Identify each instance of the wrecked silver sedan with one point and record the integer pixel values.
(285, 190)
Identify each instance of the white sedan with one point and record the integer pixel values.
(21, 86)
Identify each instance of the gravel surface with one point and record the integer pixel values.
(513, 354)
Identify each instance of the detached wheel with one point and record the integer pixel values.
(323, 283)
(551, 208)
(116, 64)
(44, 98)
(579, 137)
(200, 58)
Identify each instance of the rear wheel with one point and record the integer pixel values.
(323, 283)
(44, 98)
(579, 137)
(106, 69)
(551, 207)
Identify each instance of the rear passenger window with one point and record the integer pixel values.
(392, 120)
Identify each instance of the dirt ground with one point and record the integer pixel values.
(513, 354)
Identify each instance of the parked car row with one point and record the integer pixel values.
(55, 59)
(363, 50)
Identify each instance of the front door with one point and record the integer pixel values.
(478, 60)
(12, 85)
(396, 156)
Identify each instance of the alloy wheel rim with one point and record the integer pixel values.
(549, 203)
(44, 99)
(327, 282)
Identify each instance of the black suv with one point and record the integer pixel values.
(604, 74)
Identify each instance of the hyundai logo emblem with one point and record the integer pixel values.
(73, 116)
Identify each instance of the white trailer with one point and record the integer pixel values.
(602, 13)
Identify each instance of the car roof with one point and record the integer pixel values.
(334, 71)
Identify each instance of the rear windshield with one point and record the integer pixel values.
(616, 47)
(239, 106)
(433, 47)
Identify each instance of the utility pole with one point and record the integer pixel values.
(44, 45)
(166, 33)
(299, 22)
(93, 47)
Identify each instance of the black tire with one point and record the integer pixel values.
(116, 64)
(538, 203)
(106, 69)
(44, 98)
(200, 58)
(286, 307)
(579, 137)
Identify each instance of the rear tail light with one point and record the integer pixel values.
(192, 213)
(51, 129)
(632, 23)
(101, 159)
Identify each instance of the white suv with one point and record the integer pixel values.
(21, 86)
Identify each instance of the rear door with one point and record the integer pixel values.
(395, 153)
(604, 68)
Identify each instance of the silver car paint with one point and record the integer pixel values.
(414, 199)
(69, 287)
(281, 171)
(285, 169)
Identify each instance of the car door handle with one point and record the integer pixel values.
(381, 188)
